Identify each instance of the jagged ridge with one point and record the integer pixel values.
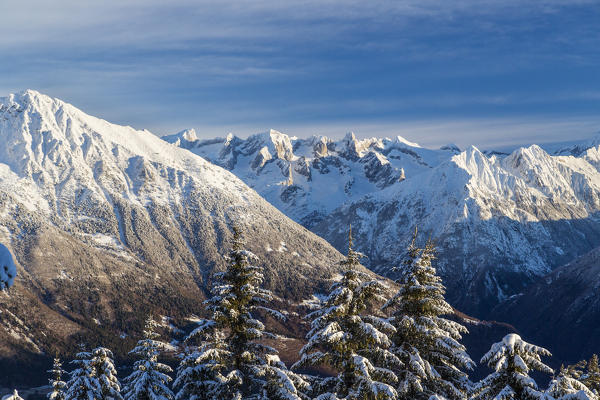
(500, 220)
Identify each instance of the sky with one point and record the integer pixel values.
(483, 72)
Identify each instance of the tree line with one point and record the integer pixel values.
(379, 347)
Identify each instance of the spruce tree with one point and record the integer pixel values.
(592, 375)
(84, 384)
(512, 359)
(149, 379)
(106, 374)
(231, 363)
(428, 345)
(56, 382)
(350, 341)
(568, 385)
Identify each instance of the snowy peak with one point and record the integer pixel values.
(270, 144)
(401, 140)
(94, 210)
(306, 178)
(184, 139)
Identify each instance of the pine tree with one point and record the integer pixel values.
(345, 338)
(84, 384)
(149, 379)
(592, 375)
(568, 386)
(433, 359)
(56, 382)
(106, 374)
(512, 359)
(231, 363)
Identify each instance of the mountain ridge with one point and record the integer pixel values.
(108, 223)
(497, 217)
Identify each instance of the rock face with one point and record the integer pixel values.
(108, 223)
(500, 220)
(562, 310)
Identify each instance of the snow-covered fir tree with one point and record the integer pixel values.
(428, 345)
(149, 379)
(282, 383)
(568, 386)
(230, 362)
(346, 338)
(105, 372)
(13, 396)
(57, 384)
(591, 378)
(84, 384)
(512, 359)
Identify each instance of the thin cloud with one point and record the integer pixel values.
(264, 63)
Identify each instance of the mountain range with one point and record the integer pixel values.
(108, 223)
(501, 220)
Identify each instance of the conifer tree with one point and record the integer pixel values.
(149, 379)
(56, 382)
(592, 375)
(568, 386)
(13, 396)
(512, 359)
(433, 359)
(345, 338)
(106, 374)
(231, 363)
(84, 384)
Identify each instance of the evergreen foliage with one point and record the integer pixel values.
(13, 396)
(149, 379)
(56, 382)
(591, 377)
(428, 345)
(568, 386)
(350, 341)
(512, 359)
(106, 374)
(231, 363)
(83, 384)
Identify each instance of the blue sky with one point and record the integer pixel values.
(480, 72)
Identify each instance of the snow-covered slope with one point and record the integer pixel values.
(107, 223)
(308, 178)
(499, 220)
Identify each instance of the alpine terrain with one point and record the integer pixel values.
(500, 220)
(107, 223)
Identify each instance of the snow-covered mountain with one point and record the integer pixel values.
(309, 178)
(500, 220)
(107, 223)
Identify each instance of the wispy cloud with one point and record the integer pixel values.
(262, 63)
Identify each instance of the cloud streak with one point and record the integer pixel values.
(262, 63)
